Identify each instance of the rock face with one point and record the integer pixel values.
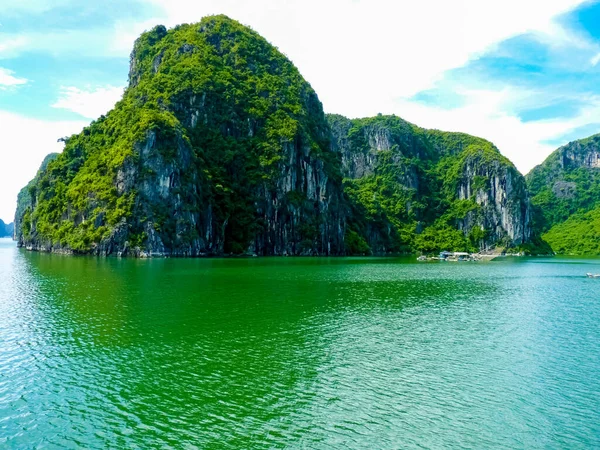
(406, 180)
(567, 182)
(26, 202)
(218, 146)
(500, 192)
(580, 154)
(566, 197)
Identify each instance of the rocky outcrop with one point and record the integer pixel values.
(218, 146)
(26, 201)
(504, 207)
(566, 183)
(406, 179)
(580, 154)
(360, 146)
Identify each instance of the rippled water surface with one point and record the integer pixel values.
(297, 353)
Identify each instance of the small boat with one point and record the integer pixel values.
(593, 275)
(422, 258)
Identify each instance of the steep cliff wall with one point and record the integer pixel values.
(218, 146)
(26, 202)
(566, 197)
(567, 182)
(412, 188)
(500, 193)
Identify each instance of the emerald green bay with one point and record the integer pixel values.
(297, 353)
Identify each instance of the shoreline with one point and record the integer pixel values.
(145, 255)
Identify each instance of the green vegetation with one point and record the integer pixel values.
(578, 235)
(563, 186)
(220, 146)
(564, 189)
(217, 88)
(25, 200)
(355, 244)
(410, 197)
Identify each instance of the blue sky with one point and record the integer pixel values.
(68, 45)
(554, 78)
(525, 75)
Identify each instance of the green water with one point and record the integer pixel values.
(297, 353)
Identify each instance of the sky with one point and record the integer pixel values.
(524, 74)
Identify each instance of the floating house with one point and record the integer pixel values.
(456, 256)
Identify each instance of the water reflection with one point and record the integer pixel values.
(316, 353)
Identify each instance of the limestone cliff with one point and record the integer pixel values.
(566, 183)
(501, 194)
(218, 146)
(411, 184)
(26, 202)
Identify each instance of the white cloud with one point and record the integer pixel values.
(523, 143)
(126, 32)
(91, 102)
(9, 46)
(365, 57)
(25, 143)
(7, 79)
(361, 55)
(92, 42)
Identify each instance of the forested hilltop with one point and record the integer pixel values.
(566, 197)
(219, 146)
(412, 189)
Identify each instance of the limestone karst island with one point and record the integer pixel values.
(258, 236)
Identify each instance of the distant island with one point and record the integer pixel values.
(6, 230)
(220, 147)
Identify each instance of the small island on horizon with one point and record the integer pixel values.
(6, 229)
